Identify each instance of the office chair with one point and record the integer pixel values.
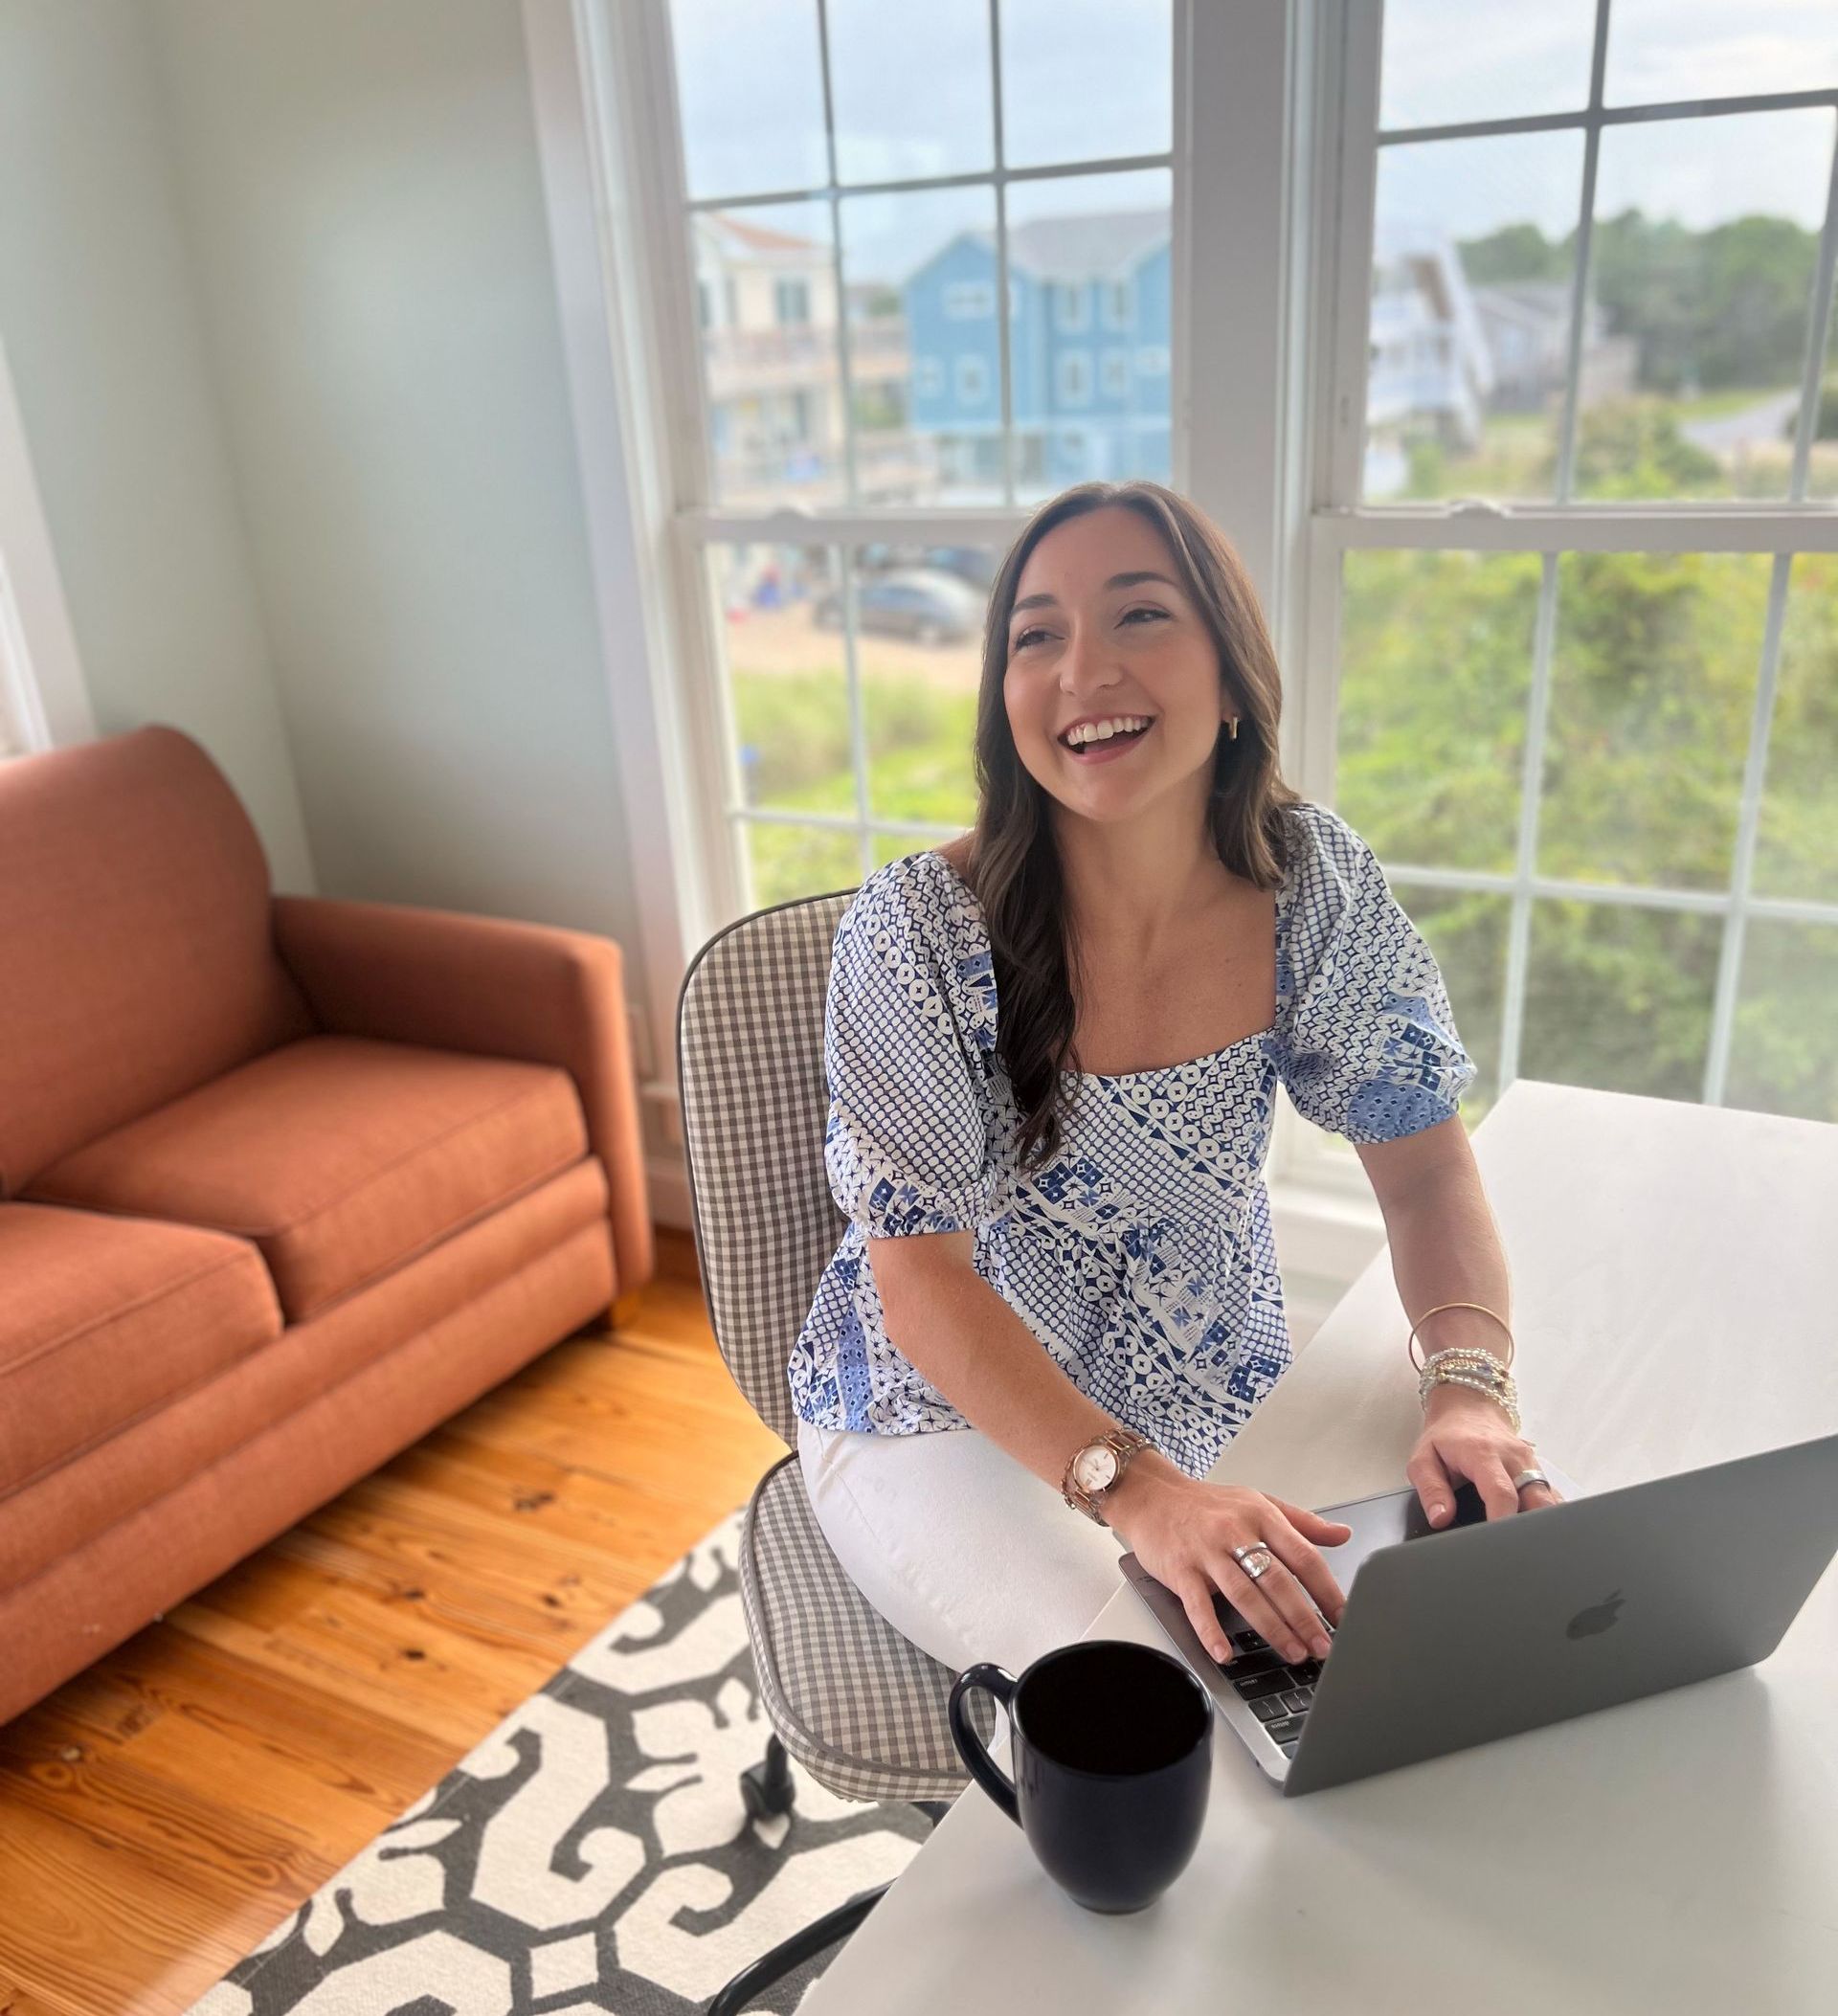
(860, 1705)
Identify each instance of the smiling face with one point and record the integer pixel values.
(1116, 637)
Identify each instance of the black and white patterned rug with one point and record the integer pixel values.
(593, 1854)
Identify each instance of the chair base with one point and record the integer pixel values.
(769, 1787)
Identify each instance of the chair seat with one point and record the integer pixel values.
(105, 1319)
(339, 1156)
(860, 1705)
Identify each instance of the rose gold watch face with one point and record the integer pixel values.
(1096, 1468)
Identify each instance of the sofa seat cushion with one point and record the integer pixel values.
(105, 1319)
(341, 1158)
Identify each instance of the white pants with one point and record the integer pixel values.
(960, 1548)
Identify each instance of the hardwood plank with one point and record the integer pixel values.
(163, 1810)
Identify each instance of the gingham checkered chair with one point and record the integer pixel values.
(861, 1707)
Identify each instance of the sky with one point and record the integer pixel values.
(1090, 78)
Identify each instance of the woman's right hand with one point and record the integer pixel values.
(1183, 1533)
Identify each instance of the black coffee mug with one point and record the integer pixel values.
(1111, 1743)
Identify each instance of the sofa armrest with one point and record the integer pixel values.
(497, 988)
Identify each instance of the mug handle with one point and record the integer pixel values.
(983, 1768)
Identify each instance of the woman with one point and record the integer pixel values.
(1058, 1229)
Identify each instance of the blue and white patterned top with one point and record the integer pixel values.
(1141, 1256)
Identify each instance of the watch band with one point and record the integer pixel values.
(1126, 1441)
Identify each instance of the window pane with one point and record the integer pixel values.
(1653, 689)
(1796, 850)
(1620, 997)
(919, 615)
(1436, 668)
(766, 288)
(1083, 79)
(749, 86)
(1087, 252)
(1822, 464)
(924, 348)
(784, 862)
(911, 89)
(1450, 61)
(1784, 1056)
(782, 635)
(1703, 253)
(1474, 268)
(1665, 50)
(1467, 930)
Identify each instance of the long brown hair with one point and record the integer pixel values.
(1014, 864)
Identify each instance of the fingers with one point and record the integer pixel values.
(1311, 1525)
(1277, 1603)
(1426, 1471)
(1494, 1482)
(1300, 1559)
(1535, 1495)
(1197, 1600)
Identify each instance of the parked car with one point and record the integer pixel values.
(926, 604)
(975, 564)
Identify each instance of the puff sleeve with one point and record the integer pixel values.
(907, 1143)
(1370, 1050)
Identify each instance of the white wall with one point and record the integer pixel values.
(364, 192)
(114, 385)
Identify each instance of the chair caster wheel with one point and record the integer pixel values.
(764, 1791)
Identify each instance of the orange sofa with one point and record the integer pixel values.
(285, 1183)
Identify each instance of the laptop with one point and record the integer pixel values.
(1457, 1635)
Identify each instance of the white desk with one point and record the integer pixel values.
(1675, 1289)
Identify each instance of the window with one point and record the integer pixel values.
(1071, 306)
(973, 381)
(969, 301)
(792, 301)
(1074, 378)
(1574, 562)
(1611, 669)
(1115, 371)
(1118, 304)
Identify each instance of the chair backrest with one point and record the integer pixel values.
(137, 955)
(755, 1104)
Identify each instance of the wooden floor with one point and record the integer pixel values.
(167, 1807)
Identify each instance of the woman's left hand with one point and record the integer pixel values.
(1468, 1437)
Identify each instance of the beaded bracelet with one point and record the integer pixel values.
(1478, 1370)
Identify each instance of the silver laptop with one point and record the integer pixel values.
(1456, 1635)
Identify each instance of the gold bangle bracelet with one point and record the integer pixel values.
(1410, 1342)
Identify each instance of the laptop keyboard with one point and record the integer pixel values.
(1279, 1694)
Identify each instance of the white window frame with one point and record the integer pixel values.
(972, 379)
(44, 699)
(1152, 360)
(1114, 373)
(1072, 378)
(969, 301)
(797, 286)
(1339, 523)
(605, 95)
(1113, 292)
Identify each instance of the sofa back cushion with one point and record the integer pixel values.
(137, 957)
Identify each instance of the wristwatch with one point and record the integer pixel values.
(1093, 1471)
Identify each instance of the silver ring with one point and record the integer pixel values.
(1526, 1477)
(1242, 1556)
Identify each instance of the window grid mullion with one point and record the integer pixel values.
(1519, 941)
(851, 475)
(1001, 251)
(1580, 279)
(1716, 1063)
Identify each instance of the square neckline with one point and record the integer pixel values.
(1284, 891)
